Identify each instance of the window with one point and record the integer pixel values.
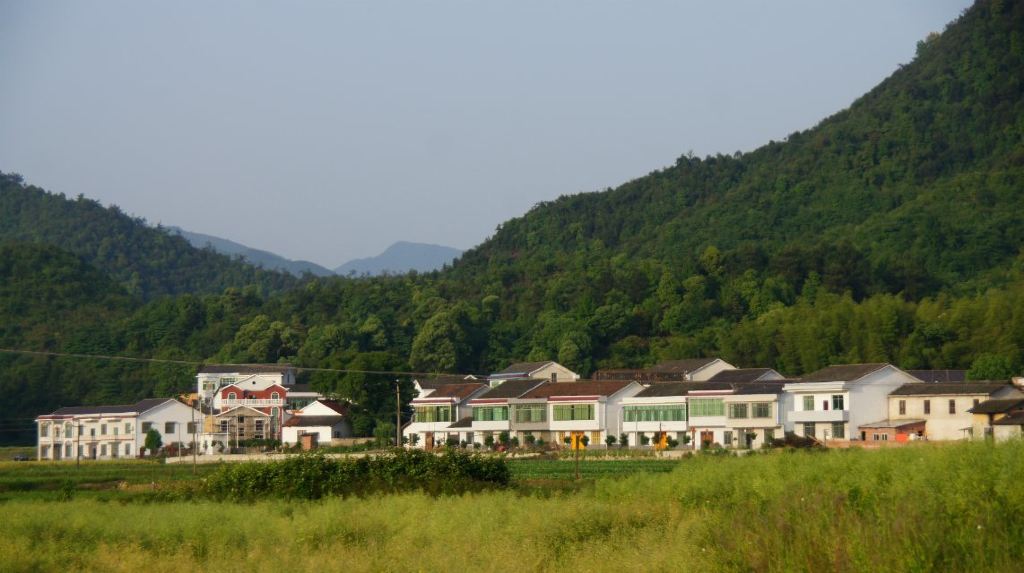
(838, 402)
(808, 403)
(232, 396)
(568, 412)
(738, 411)
(769, 434)
(952, 406)
(662, 413)
(223, 425)
(761, 410)
(67, 431)
(116, 430)
(903, 407)
(809, 430)
(927, 406)
(839, 430)
(824, 405)
(275, 396)
(103, 449)
(531, 413)
(92, 432)
(432, 414)
(168, 427)
(190, 427)
(727, 438)
(885, 437)
(127, 449)
(259, 425)
(127, 428)
(146, 427)
(490, 413)
(103, 429)
(706, 407)
(44, 430)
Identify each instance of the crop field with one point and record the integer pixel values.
(928, 507)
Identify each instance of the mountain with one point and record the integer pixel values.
(147, 261)
(402, 257)
(890, 232)
(263, 259)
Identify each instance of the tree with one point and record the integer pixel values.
(610, 440)
(991, 367)
(384, 433)
(153, 441)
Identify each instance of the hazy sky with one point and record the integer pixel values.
(329, 130)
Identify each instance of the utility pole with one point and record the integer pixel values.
(398, 415)
(194, 434)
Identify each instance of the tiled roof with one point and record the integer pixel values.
(998, 406)
(524, 367)
(939, 375)
(681, 366)
(763, 387)
(579, 388)
(941, 388)
(442, 380)
(1014, 419)
(511, 389)
(245, 368)
(740, 375)
(460, 391)
(295, 388)
(307, 421)
(842, 372)
(340, 408)
(681, 389)
(138, 407)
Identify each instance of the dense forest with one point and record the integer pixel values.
(892, 231)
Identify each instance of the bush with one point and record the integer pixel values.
(623, 441)
(530, 440)
(610, 440)
(644, 440)
(313, 476)
(489, 442)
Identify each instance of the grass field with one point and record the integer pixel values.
(927, 508)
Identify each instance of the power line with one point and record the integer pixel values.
(195, 363)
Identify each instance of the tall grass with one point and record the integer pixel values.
(931, 508)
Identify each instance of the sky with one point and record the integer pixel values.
(327, 131)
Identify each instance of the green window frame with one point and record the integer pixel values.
(838, 403)
(490, 413)
(655, 413)
(808, 403)
(572, 412)
(739, 411)
(432, 414)
(531, 413)
(706, 407)
(838, 430)
(761, 410)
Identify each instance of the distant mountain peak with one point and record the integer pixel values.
(402, 257)
(257, 257)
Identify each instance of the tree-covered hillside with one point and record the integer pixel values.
(148, 261)
(892, 231)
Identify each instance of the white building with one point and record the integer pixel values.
(109, 432)
(213, 377)
(656, 412)
(689, 370)
(425, 386)
(558, 412)
(435, 414)
(492, 413)
(327, 419)
(832, 403)
(755, 414)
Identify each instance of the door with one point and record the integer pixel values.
(707, 437)
(428, 440)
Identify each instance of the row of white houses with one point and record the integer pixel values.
(731, 408)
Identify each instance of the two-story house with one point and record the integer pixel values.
(941, 410)
(212, 377)
(572, 410)
(755, 414)
(832, 403)
(492, 414)
(656, 413)
(442, 416)
(108, 432)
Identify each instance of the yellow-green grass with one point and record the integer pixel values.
(929, 508)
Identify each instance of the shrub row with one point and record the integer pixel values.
(313, 476)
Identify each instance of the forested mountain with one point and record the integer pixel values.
(402, 257)
(148, 261)
(892, 231)
(260, 258)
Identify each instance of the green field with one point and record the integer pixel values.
(924, 508)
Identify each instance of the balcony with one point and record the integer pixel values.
(819, 416)
(252, 402)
